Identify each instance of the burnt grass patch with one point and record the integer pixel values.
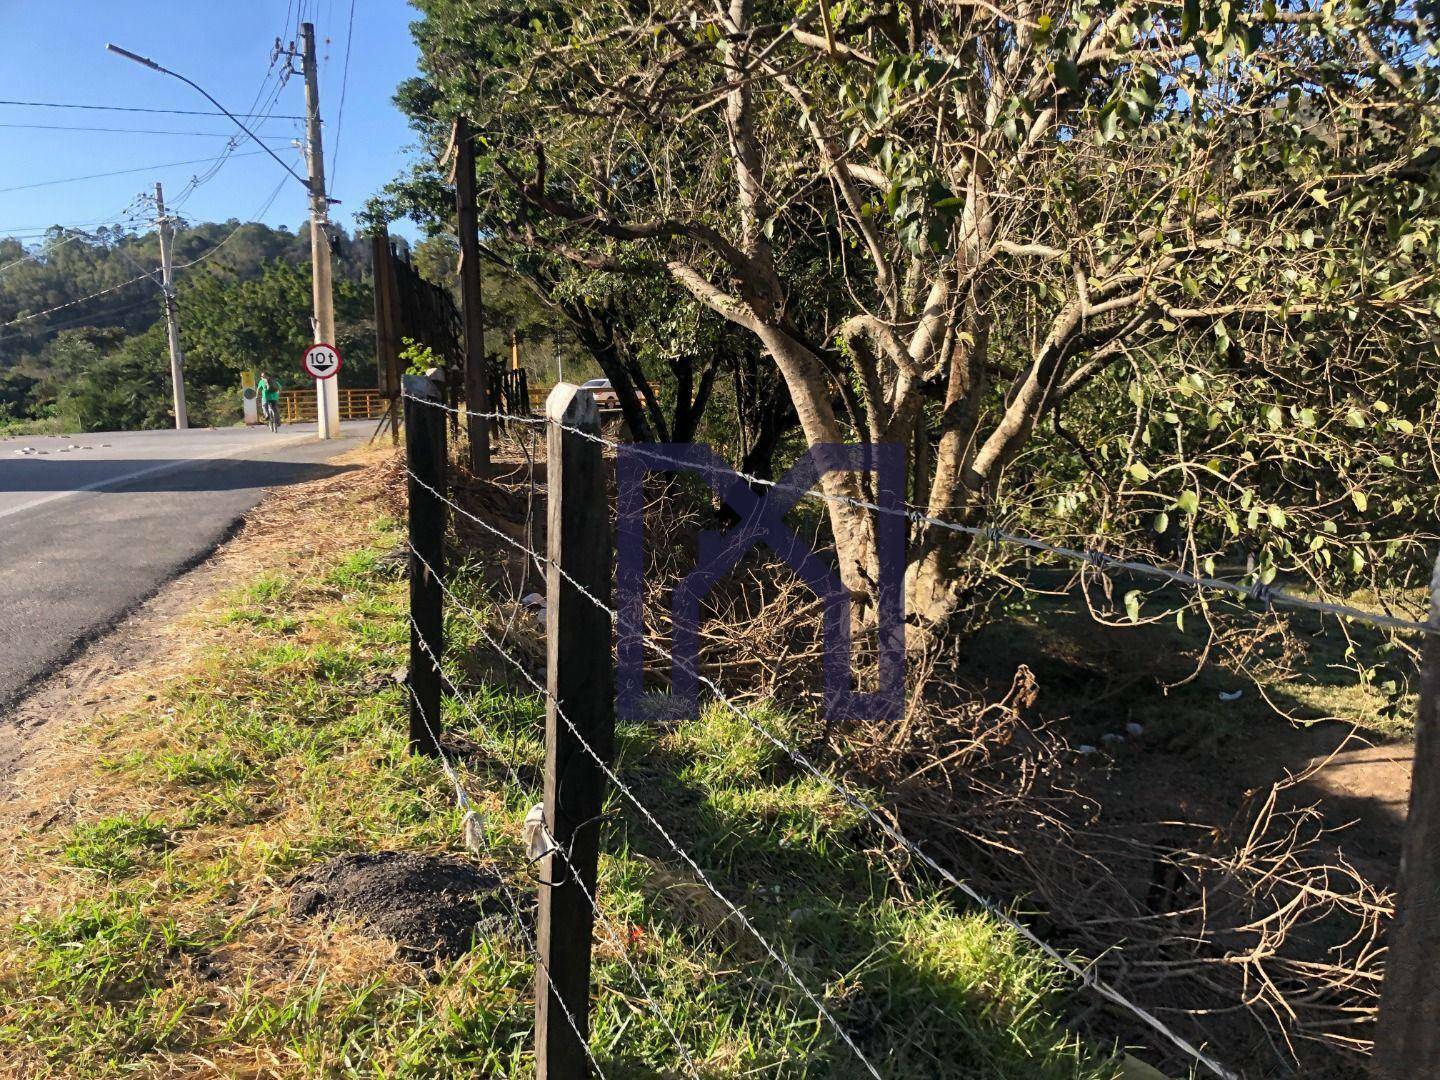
(432, 906)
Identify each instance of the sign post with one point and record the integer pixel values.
(321, 362)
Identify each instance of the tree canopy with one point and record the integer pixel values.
(1178, 259)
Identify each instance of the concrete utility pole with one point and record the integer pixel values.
(327, 393)
(167, 287)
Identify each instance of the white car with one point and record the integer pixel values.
(605, 395)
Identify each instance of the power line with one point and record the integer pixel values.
(117, 172)
(131, 131)
(344, 85)
(141, 109)
(72, 303)
(253, 219)
(82, 320)
(125, 216)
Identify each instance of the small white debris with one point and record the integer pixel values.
(1231, 695)
(1085, 748)
(1133, 729)
(474, 832)
(537, 837)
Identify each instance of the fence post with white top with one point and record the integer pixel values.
(579, 713)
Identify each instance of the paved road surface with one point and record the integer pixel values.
(91, 526)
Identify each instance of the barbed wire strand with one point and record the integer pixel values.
(644, 811)
(1262, 593)
(1086, 974)
(479, 833)
(519, 785)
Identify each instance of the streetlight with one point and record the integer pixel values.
(145, 60)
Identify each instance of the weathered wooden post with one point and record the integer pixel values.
(1407, 1038)
(425, 458)
(477, 383)
(580, 679)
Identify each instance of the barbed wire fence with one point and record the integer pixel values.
(562, 830)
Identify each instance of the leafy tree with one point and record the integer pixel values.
(664, 353)
(1176, 258)
(264, 322)
(128, 388)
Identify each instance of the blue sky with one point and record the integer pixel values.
(56, 53)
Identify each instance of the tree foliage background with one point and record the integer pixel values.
(1157, 278)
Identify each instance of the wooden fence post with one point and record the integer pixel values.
(387, 338)
(1407, 1038)
(477, 388)
(580, 677)
(425, 456)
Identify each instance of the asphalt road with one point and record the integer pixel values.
(91, 526)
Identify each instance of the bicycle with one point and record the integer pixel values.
(272, 414)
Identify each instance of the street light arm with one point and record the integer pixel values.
(147, 62)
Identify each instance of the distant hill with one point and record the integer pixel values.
(81, 335)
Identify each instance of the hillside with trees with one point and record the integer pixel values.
(243, 292)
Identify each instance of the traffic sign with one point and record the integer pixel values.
(322, 361)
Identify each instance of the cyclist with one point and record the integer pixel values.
(268, 392)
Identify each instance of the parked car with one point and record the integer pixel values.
(605, 394)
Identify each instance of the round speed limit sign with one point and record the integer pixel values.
(322, 361)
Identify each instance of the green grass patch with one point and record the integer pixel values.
(116, 846)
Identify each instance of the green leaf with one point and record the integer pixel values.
(1360, 499)
(1274, 417)
(1132, 604)
(1355, 419)
(1189, 19)
(1188, 502)
(1162, 521)
(1276, 516)
(1140, 472)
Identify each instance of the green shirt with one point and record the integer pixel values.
(267, 391)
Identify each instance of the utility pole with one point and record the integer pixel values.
(327, 394)
(167, 288)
